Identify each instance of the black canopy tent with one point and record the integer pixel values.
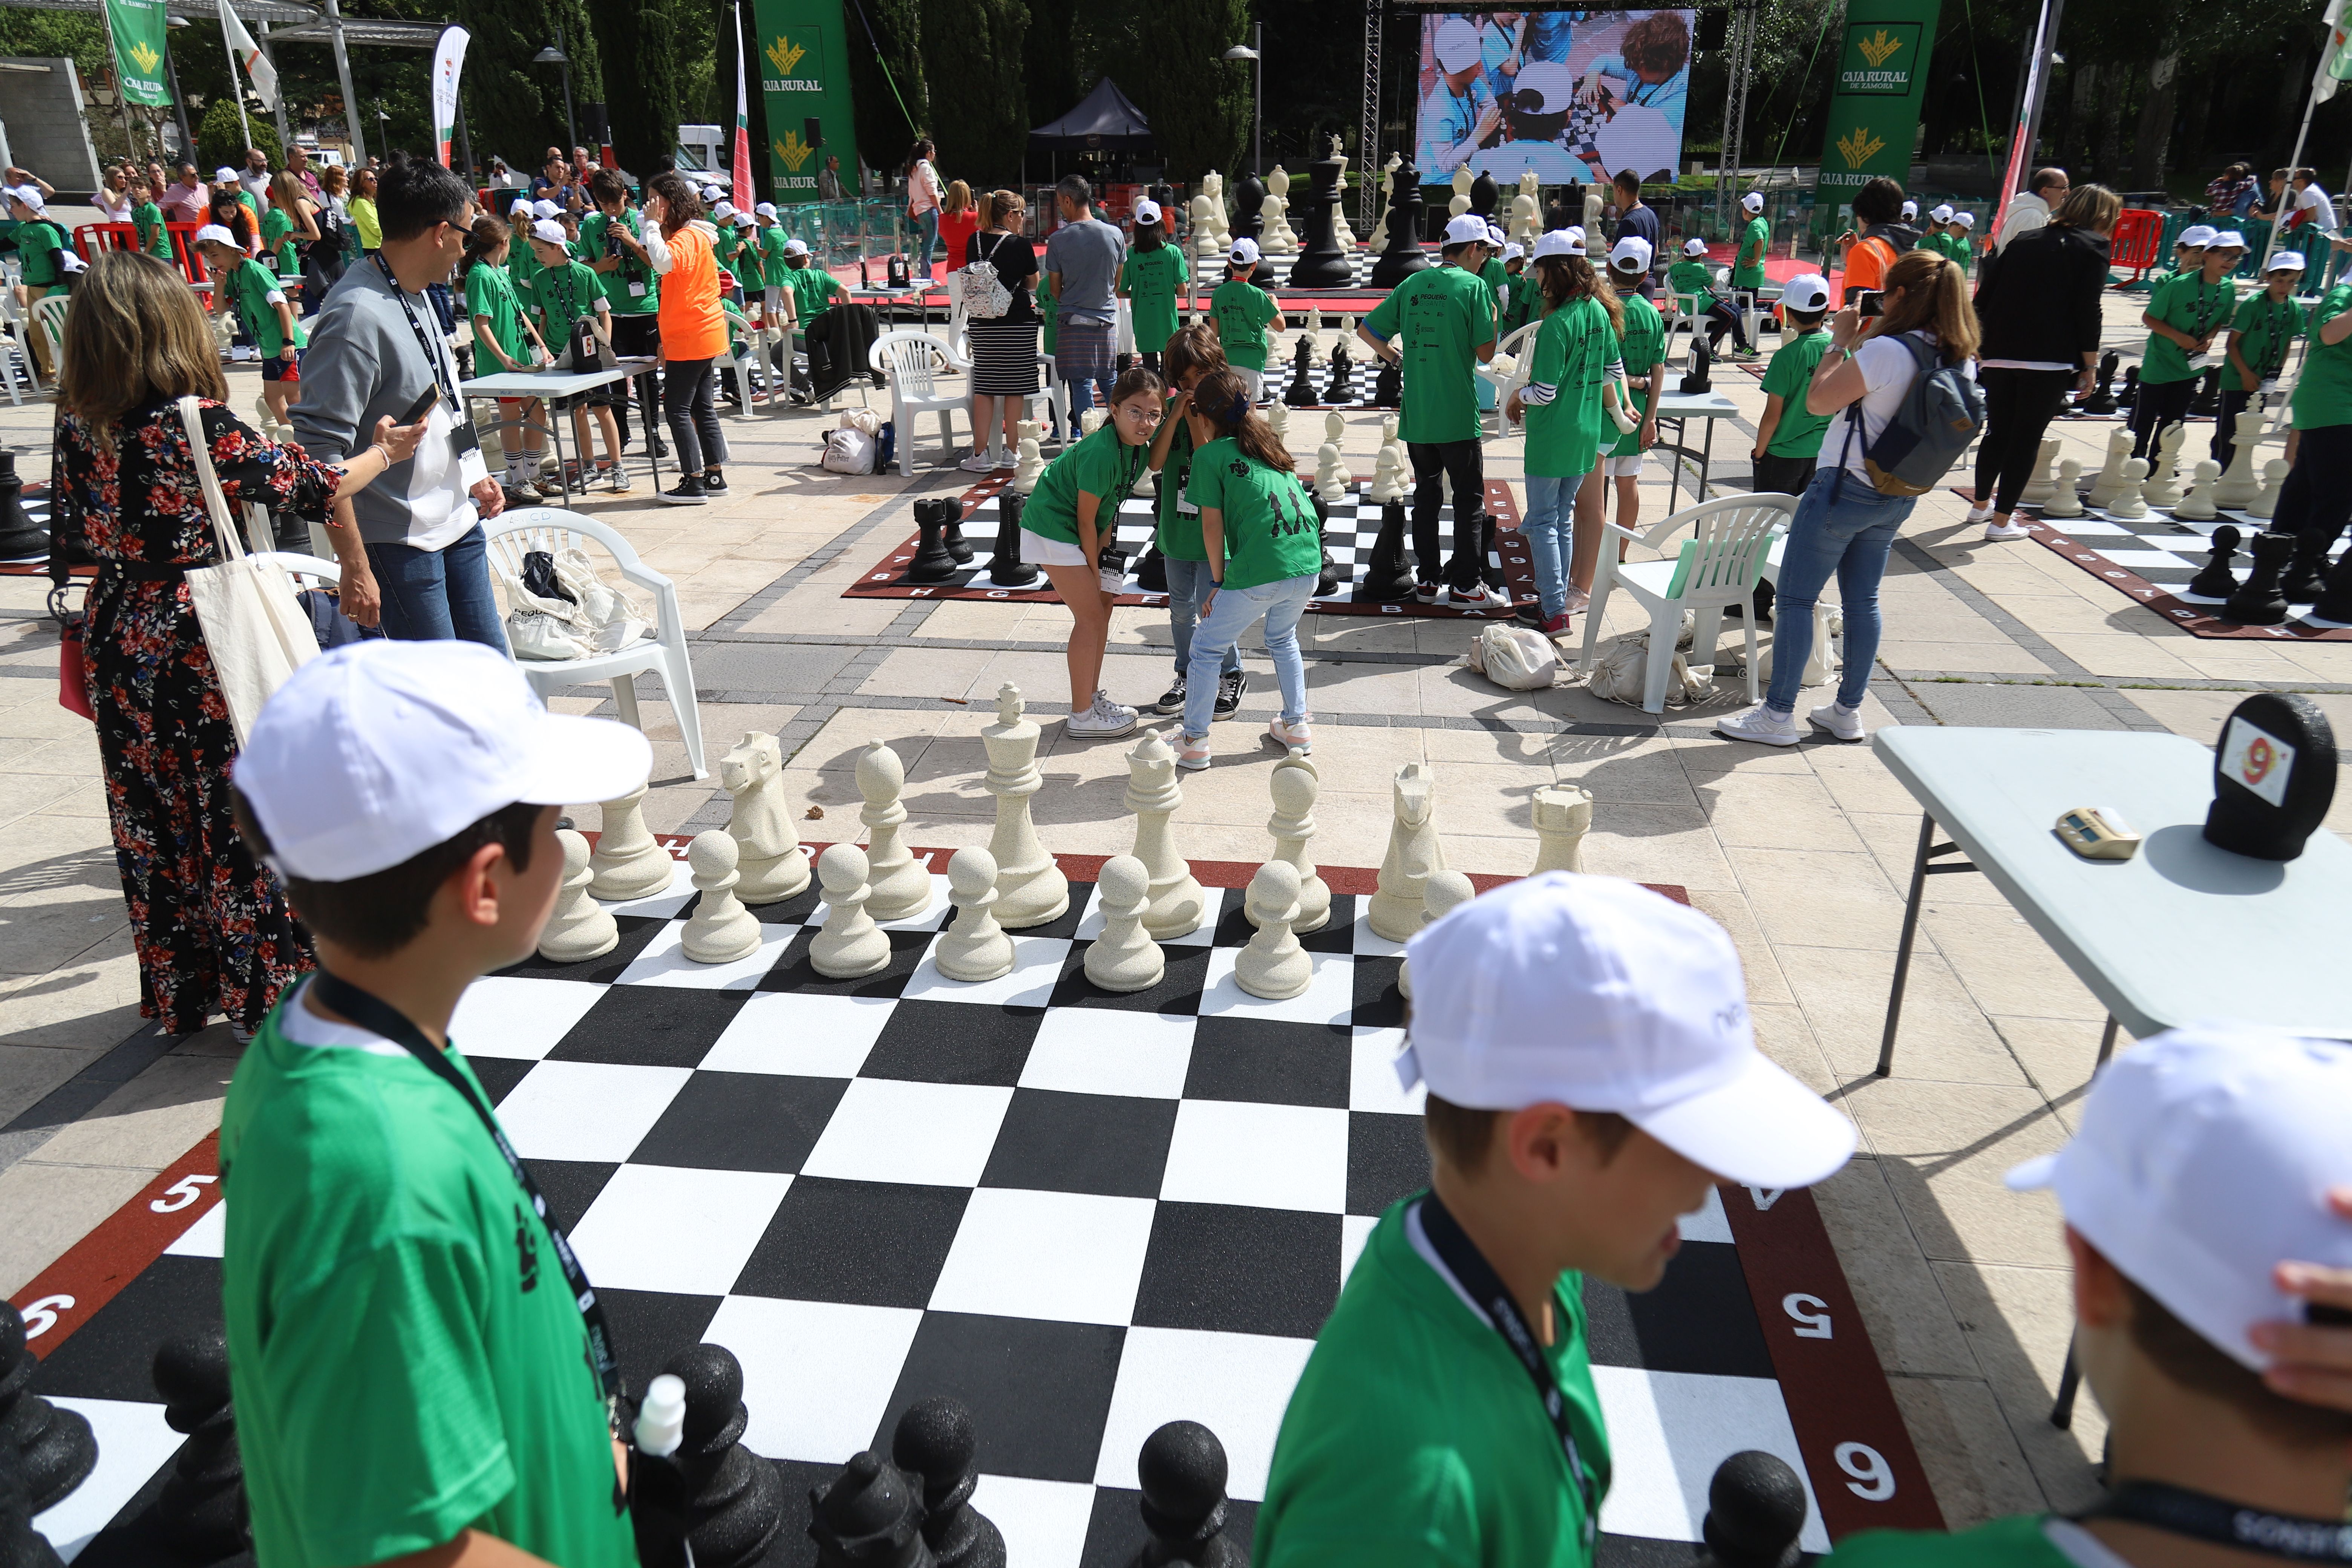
(1105, 123)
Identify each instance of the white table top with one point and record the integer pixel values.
(1696, 405)
(2182, 930)
(551, 383)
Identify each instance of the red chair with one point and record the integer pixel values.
(2139, 236)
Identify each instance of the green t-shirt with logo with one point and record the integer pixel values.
(35, 242)
(1415, 1436)
(1642, 347)
(1152, 278)
(1242, 311)
(2188, 302)
(523, 269)
(563, 295)
(2323, 395)
(813, 289)
(1500, 285)
(2264, 331)
(631, 289)
(1438, 318)
(1693, 276)
(277, 238)
(255, 291)
(2020, 1541)
(773, 265)
(1798, 434)
(1101, 465)
(1747, 260)
(1180, 531)
(154, 237)
(1270, 531)
(405, 1356)
(1573, 351)
(490, 292)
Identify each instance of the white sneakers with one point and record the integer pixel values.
(1104, 720)
(1839, 721)
(1479, 596)
(1762, 724)
(1980, 513)
(1288, 733)
(978, 463)
(2008, 528)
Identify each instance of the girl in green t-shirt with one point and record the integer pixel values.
(2184, 315)
(1574, 371)
(1068, 520)
(500, 328)
(1264, 543)
(1245, 314)
(1193, 354)
(1148, 279)
(569, 291)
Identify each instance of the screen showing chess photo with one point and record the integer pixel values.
(1573, 95)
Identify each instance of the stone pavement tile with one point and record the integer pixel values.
(1655, 844)
(1135, 626)
(1362, 634)
(1622, 769)
(1775, 811)
(837, 745)
(819, 610)
(1366, 757)
(91, 1000)
(2121, 655)
(795, 667)
(1707, 754)
(1859, 783)
(86, 799)
(50, 1207)
(149, 1121)
(1388, 689)
(2330, 661)
(58, 857)
(2018, 1322)
(2014, 706)
(1819, 898)
(21, 794)
(1945, 1148)
(1894, 838)
(1974, 1464)
(1463, 852)
(2215, 658)
(1767, 985)
(2059, 1056)
(37, 937)
(2004, 962)
(1896, 651)
(669, 808)
(1943, 1035)
(2200, 715)
(931, 672)
(2005, 581)
(68, 756)
(29, 1072)
(966, 618)
(1493, 800)
(39, 716)
(1782, 1036)
(1910, 1321)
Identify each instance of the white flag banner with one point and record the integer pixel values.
(249, 54)
(448, 59)
(2334, 55)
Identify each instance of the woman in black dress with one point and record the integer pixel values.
(211, 926)
(1003, 348)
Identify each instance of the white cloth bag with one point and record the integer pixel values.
(253, 623)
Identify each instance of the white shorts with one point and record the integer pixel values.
(1623, 468)
(1039, 550)
(1253, 379)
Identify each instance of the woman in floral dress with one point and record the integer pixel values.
(212, 928)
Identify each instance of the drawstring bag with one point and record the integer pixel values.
(558, 609)
(1624, 667)
(854, 446)
(1517, 658)
(979, 287)
(254, 625)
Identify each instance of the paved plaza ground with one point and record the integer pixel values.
(1801, 854)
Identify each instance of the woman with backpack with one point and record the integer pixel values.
(1005, 345)
(1847, 521)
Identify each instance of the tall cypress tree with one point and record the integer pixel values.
(1049, 66)
(1198, 104)
(981, 115)
(884, 127)
(642, 107)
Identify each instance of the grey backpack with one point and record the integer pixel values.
(1931, 431)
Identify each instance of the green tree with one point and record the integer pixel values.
(514, 108)
(889, 88)
(1049, 66)
(981, 115)
(645, 114)
(221, 141)
(1199, 105)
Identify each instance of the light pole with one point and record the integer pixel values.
(553, 54)
(1254, 52)
(179, 104)
(381, 117)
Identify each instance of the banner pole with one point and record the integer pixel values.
(114, 61)
(235, 90)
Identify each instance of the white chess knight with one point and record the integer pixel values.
(1177, 901)
(1387, 199)
(2128, 501)
(2067, 495)
(1125, 958)
(1031, 465)
(771, 864)
(2197, 506)
(628, 863)
(580, 928)
(1212, 191)
(2163, 487)
(1340, 229)
(1029, 887)
(2240, 484)
(850, 944)
(900, 885)
(1414, 852)
(2265, 503)
(975, 947)
(1272, 965)
(2111, 474)
(2038, 487)
(1525, 210)
(721, 930)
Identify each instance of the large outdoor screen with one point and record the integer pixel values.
(1573, 95)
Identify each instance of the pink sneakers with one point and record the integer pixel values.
(1287, 735)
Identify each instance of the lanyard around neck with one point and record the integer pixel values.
(441, 378)
(2199, 1516)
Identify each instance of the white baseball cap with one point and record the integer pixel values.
(796, 246)
(1910, 209)
(1147, 211)
(1807, 291)
(1495, 236)
(545, 209)
(1243, 252)
(1458, 47)
(521, 207)
(1941, 213)
(376, 752)
(1576, 233)
(1514, 250)
(31, 196)
(1558, 242)
(745, 220)
(2228, 240)
(1753, 201)
(2285, 261)
(766, 209)
(2202, 1160)
(224, 175)
(1467, 229)
(1694, 246)
(2197, 235)
(723, 211)
(1631, 254)
(1965, 219)
(548, 229)
(1601, 995)
(217, 233)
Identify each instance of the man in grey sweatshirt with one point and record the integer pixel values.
(376, 347)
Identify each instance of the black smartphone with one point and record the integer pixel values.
(420, 408)
(1869, 302)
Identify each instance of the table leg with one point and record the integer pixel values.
(2062, 1414)
(2108, 1039)
(555, 422)
(1903, 950)
(1706, 462)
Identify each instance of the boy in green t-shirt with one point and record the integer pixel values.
(1692, 276)
(1149, 281)
(778, 318)
(569, 291)
(2261, 334)
(502, 329)
(2203, 1159)
(1755, 240)
(1591, 1072)
(249, 287)
(813, 288)
(2183, 316)
(1789, 436)
(612, 242)
(418, 1363)
(147, 219)
(1641, 345)
(2314, 502)
(1244, 314)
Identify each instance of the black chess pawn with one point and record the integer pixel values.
(1755, 1511)
(21, 538)
(1321, 264)
(2129, 396)
(1402, 255)
(951, 511)
(1697, 379)
(1327, 575)
(21, 1546)
(870, 1517)
(1301, 393)
(1005, 567)
(2206, 402)
(2214, 580)
(53, 1449)
(1388, 387)
(1484, 194)
(2280, 744)
(1249, 208)
(202, 1509)
(1151, 571)
(1342, 389)
(934, 1444)
(2258, 602)
(1390, 579)
(1181, 1470)
(730, 1501)
(2101, 399)
(933, 562)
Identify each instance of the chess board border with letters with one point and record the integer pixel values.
(1754, 1332)
(886, 580)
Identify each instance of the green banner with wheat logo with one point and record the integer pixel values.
(1882, 80)
(139, 41)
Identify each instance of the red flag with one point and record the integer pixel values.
(746, 198)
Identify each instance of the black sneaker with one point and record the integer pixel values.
(714, 483)
(1229, 687)
(1173, 700)
(689, 492)
(1426, 593)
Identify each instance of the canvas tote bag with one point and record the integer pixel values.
(252, 622)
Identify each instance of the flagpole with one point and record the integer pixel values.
(121, 99)
(235, 91)
(2295, 162)
(740, 162)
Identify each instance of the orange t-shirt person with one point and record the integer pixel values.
(693, 326)
(1866, 261)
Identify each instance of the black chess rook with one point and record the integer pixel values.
(53, 1449)
(2214, 580)
(1755, 1511)
(870, 1517)
(935, 1444)
(202, 1509)
(1181, 1470)
(2258, 602)
(1005, 567)
(933, 562)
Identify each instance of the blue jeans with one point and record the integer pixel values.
(1082, 397)
(926, 229)
(1847, 538)
(1188, 584)
(439, 596)
(1550, 527)
(1229, 614)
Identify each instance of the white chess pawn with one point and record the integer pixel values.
(1031, 464)
(1125, 958)
(581, 928)
(975, 947)
(2111, 473)
(1443, 891)
(2265, 504)
(1272, 965)
(2067, 495)
(1388, 478)
(1294, 785)
(1459, 203)
(1178, 903)
(851, 944)
(1563, 817)
(628, 863)
(2128, 501)
(721, 930)
(2197, 506)
(900, 886)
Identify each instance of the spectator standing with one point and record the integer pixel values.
(828, 179)
(1789, 436)
(1755, 240)
(297, 163)
(254, 179)
(505, 335)
(2317, 500)
(185, 199)
(570, 293)
(228, 182)
(338, 244)
(367, 225)
(2030, 207)
(112, 197)
(1879, 238)
(374, 351)
(1844, 527)
(1438, 325)
(613, 240)
(1003, 348)
(210, 926)
(923, 196)
(959, 221)
(1636, 219)
(2038, 308)
(1081, 264)
(293, 227)
(693, 335)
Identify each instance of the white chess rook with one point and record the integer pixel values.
(721, 930)
(1414, 852)
(2240, 483)
(899, 886)
(1272, 965)
(1029, 887)
(628, 863)
(2067, 495)
(975, 947)
(1124, 958)
(1293, 788)
(851, 944)
(581, 928)
(1444, 890)
(770, 862)
(1153, 794)
(1563, 817)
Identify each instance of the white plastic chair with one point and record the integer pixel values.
(904, 357)
(1056, 396)
(15, 349)
(1520, 344)
(320, 572)
(1733, 536)
(552, 529)
(49, 321)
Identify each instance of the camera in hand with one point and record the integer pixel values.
(1869, 302)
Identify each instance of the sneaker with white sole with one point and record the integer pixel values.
(1193, 753)
(1838, 720)
(1231, 684)
(1979, 514)
(1763, 725)
(1104, 720)
(2008, 528)
(1287, 734)
(1577, 600)
(978, 463)
(1173, 700)
(1478, 597)
(617, 481)
(687, 492)
(1427, 592)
